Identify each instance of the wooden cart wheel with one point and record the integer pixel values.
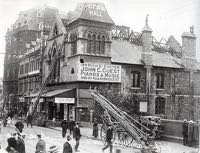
(103, 133)
(126, 138)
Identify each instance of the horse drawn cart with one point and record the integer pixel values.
(127, 130)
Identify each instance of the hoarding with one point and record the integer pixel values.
(97, 72)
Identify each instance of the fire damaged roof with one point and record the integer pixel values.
(125, 52)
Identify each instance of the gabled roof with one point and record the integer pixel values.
(91, 11)
(125, 52)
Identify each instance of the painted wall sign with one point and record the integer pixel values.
(64, 100)
(99, 72)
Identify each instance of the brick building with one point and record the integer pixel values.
(89, 51)
(22, 36)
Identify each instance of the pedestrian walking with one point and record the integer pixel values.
(20, 137)
(190, 133)
(64, 125)
(109, 137)
(41, 145)
(30, 120)
(71, 125)
(77, 136)
(185, 132)
(67, 148)
(95, 128)
(196, 134)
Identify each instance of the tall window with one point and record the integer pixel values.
(94, 44)
(103, 45)
(98, 43)
(89, 43)
(160, 80)
(136, 79)
(160, 105)
(73, 39)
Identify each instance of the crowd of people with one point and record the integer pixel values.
(16, 143)
(190, 132)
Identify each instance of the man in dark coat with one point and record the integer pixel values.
(71, 125)
(20, 137)
(67, 148)
(77, 136)
(64, 126)
(185, 132)
(95, 128)
(30, 120)
(109, 137)
(41, 145)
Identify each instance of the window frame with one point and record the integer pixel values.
(136, 83)
(160, 78)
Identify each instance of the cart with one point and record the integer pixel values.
(127, 130)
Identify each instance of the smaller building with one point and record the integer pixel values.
(28, 75)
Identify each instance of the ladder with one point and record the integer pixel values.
(33, 107)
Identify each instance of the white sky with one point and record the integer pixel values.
(167, 17)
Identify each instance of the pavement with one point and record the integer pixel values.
(88, 144)
(165, 146)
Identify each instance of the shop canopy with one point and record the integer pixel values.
(68, 93)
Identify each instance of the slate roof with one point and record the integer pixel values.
(125, 52)
(91, 11)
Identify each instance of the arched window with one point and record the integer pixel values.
(73, 39)
(136, 79)
(160, 105)
(103, 45)
(98, 44)
(89, 44)
(94, 44)
(160, 80)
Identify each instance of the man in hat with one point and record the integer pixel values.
(64, 126)
(41, 145)
(20, 137)
(185, 132)
(77, 136)
(71, 125)
(67, 148)
(109, 137)
(95, 128)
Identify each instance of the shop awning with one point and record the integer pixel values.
(55, 92)
(68, 93)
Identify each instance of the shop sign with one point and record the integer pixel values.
(143, 106)
(64, 100)
(21, 100)
(97, 72)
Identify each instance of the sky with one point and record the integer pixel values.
(166, 17)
